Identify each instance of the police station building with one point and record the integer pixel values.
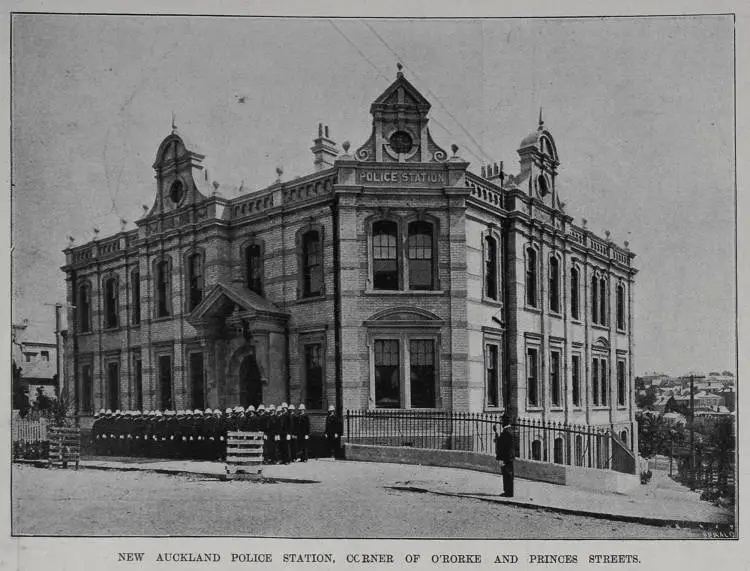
(390, 277)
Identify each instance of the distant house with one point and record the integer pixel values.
(38, 362)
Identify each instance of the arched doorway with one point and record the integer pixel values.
(251, 384)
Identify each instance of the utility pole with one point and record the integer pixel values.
(58, 348)
(692, 433)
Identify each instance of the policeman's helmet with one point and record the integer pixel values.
(217, 412)
(261, 407)
(198, 412)
(331, 408)
(158, 414)
(208, 411)
(96, 415)
(138, 413)
(239, 409)
(284, 405)
(301, 407)
(228, 411)
(118, 412)
(251, 408)
(291, 407)
(271, 407)
(108, 412)
(169, 412)
(102, 411)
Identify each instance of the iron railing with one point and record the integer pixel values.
(536, 439)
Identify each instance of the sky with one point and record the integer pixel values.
(641, 110)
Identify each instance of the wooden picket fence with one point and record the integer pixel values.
(64, 446)
(244, 456)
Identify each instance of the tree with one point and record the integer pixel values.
(646, 401)
(20, 396)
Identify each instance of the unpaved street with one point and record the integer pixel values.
(344, 500)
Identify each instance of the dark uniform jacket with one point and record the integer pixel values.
(504, 445)
(333, 426)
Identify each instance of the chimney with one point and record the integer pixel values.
(324, 149)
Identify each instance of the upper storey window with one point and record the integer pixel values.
(163, 286)
(531, 277)
(490, 268)
(312, 267)
(599, 300)
(110, 303)
(195, 280)
(84, 308)
(136, 293)
(574, 297)
(420, 255)
(554, 284)
(621, 307)
(254, 268)
(385, 255)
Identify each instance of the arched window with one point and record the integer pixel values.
(579, 450)
(531, 277)
(574, 299)
(385, 255)
(543, 186)
(195, 280)
(84, 308)
(312, 267)
(536, 450)
(594, 299)
(558, 451)
(254, 268)
(603, 301)
(135, 280)
(621, 307)
(110, 303)
(490, 267)
(624, 437)
(554, 284)
(420, 255)
(163, 286)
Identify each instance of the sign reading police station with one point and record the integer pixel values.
(410, 176)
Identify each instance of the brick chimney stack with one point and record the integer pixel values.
(324, 149)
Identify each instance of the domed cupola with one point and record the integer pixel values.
(539, 162)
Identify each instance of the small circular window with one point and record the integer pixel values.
(401, 142)
(176, 191)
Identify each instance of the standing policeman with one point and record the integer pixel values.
(505, 452)
(333, 432)
(302, 425)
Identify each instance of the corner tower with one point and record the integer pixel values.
(539, 164)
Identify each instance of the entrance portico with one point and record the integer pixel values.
(246, 345)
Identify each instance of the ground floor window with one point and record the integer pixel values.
(87, 389)
(621, 383)
(197, 393)
(313, 377)
(422, 377)
(387, 382)
(113, 385)
(138, 388)
(492, 373)
(576, 379)
(165, 381)
(532, 376)
(405, 372)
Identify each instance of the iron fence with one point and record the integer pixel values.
(535, 439)
(28, 430)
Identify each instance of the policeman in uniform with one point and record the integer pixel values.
(285, 433)
(96, 430)
(293, 445)
(251, 420)
(272, 430)
(333, 432)
(302, 426)
(505, 453)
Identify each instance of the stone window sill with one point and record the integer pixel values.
(406, 292)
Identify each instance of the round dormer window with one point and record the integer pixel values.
(176, 191)
(401, 142)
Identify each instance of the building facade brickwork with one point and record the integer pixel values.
(390, 277)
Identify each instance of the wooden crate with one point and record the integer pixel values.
(244, 456)
(64, 446)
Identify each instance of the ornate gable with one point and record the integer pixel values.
(399, 127)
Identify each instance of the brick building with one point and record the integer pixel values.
(390, 277)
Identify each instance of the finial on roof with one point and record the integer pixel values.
(627, 244)
(216, 186)
(400, 68)
(346, 145)
(454, 148)
(279, 172)
(174, 123)
(96, 231)
(123, 223)
(145, 208)
(606, 233)
(541, 119)
(71, 240)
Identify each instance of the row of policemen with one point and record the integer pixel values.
(202, 434)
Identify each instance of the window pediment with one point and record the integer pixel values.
(404, 317)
